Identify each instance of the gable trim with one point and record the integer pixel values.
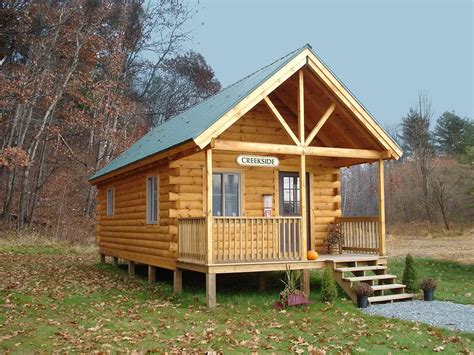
(353, 105)
(252, 99)
(306, 57)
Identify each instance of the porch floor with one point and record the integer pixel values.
(279, 265)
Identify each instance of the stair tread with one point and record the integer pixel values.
(398, 296)
(361, 268)
(368, 278)
(387, 287)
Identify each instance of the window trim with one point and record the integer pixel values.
(222, 172)
(148, 201)
(112, 212)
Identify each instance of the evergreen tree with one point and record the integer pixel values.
(453, 134)
(410, 277)
(328, 287)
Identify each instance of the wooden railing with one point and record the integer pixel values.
(361, 234)
(256, 239)
(192, 239)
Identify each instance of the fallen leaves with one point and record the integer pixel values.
(71, 305)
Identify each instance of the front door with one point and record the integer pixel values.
(290, 206)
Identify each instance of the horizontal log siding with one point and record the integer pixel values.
(126, 234)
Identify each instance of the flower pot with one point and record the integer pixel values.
(428, 295)
(362, 301)
(334, 249)
(296, 300)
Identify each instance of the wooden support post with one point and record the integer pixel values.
(151, 274)
(178, 281)
(102, 258)
(114, 261)
(304, 214)
(131, 268)
(382, 247)
(209, 228)
(262, 280)
(301, 127)
(305, 282)
(301, 106)
(211, 290)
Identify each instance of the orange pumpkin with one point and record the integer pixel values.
(312, 255)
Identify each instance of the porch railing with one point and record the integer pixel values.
(192, 239)
(361, 234)
(240, 239)
(256, 239)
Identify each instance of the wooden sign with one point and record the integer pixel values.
(254, 160)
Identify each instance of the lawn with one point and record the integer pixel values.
(59, 298)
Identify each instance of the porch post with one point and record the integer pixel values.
(303, 229)
(301, 127)
(209, 229)
(382, 248)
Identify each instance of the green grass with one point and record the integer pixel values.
(65, 300)
(455, 281)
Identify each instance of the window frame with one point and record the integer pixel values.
(110, 205)
(239, 194)
(149, 200)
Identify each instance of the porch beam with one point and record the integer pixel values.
(237, 146)
(381, 193)
(301, 105)
(320, 124)
(280, 118)
(208, 186)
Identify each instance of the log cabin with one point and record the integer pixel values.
(248, 181)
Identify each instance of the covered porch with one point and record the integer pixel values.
(307, 131)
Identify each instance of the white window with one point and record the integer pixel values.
(226, 194)
(110, 202)
(152, 199)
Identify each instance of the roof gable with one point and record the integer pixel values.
(193, 122)
(206, 120)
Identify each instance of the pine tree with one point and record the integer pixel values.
(410, 277)
(452, 134)
(328, 287)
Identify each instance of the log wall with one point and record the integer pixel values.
(182, 193)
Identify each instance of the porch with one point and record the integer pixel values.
(261, 242)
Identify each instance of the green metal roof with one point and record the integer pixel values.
(194, 121)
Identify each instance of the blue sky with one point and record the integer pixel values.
(385, 51)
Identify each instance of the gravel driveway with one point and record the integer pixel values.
(436, 313)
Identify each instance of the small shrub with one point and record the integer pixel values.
(362, 289)
(328, 287)
(410, 276)
(428, 284)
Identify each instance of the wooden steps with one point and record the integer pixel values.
(369, 278)
(388, 287)
(391, 298)
(361, 268)
(349, 272)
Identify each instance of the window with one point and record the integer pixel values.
(226, 194)
(110, 202)
(291, 194)
(152, 199)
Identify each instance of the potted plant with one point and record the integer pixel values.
(363, 291)
(428, 286)
(291, 294)
(335, 239)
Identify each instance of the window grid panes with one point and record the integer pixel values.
(291, 195)
(152, 199)
(226, 194)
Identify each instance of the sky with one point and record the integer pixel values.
(385, 51)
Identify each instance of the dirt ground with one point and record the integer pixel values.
(455, 248)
